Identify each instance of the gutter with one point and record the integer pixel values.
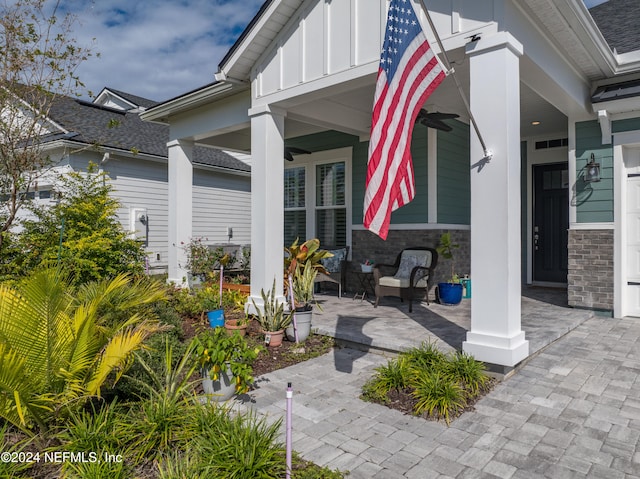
(107, 151)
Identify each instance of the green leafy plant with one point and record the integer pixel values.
(157, 424)
(467, 370)
(438, 395)
(426, 356)
(272, 317)
(307, 252)
(215, 350)
(303, 283)
(439, 385)
(445, 249)
(239, 446)
(200, 258)
(394, 375)
(81, 233)
(55, 352)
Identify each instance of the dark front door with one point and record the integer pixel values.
(550, 222)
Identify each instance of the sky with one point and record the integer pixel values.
(157, 49)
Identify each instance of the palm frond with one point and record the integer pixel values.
(117, 351)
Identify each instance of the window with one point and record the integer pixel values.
(316, 199)
(295, 215)
(331, 212)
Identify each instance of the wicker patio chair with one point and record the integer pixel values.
(411, 273)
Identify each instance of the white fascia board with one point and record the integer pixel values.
(203, 96)
(622, 105)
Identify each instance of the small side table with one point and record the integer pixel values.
(366, 281)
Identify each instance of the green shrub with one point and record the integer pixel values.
(55, 352)
(239, 446)
(129, 386)
(8, 468)
(426, 356)
(160, 423)
(81, 233)
(97, 428)
(441, 385)
(470, 373)
(394, 375)
(437, 395)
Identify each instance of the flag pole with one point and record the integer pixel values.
(447, 64)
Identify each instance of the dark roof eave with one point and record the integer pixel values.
(616, 91)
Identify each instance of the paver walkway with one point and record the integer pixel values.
(571, 411)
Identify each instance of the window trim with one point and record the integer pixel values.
(309, 162)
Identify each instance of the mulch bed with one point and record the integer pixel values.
(271, 358)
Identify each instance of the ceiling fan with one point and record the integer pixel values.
(289, 151)
(434, 120)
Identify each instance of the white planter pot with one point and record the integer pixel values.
(303, 321)
(221, 389)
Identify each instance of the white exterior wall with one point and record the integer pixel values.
(328, 37)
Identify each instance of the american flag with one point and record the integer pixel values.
(409, 72)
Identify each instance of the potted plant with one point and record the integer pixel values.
(239, 325)
(272, 317)
(449, 293)
(209, 299)
(302, 286)
(225, 362)
(200, 260)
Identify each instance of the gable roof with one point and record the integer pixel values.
(93, 124)
(618, 23)
(133, 99)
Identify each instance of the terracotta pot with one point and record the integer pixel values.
(231, 325)
(274, 338)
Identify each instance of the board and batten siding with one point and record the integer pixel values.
(221, 201)
(324, 38)
(594, 201)
(454, 180)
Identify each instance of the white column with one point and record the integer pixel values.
(180, 207)
(496, 336)
(267, 202)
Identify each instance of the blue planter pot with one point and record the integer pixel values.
(216, 318)
(450, 293)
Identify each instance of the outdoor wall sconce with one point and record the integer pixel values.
(592, 174)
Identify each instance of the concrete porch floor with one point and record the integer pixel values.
(391, 328)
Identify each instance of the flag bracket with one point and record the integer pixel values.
(449, 69)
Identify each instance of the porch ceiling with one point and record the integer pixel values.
(347, 108)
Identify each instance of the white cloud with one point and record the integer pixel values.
(157, 49)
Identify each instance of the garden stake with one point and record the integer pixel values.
(288, 440)
(221, 276)
(293, 308)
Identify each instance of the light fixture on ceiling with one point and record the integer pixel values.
(592, 172)
(535, 123)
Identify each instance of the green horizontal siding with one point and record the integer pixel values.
(416, 210)
(625, 125)
(594, 201)
(454, 175)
